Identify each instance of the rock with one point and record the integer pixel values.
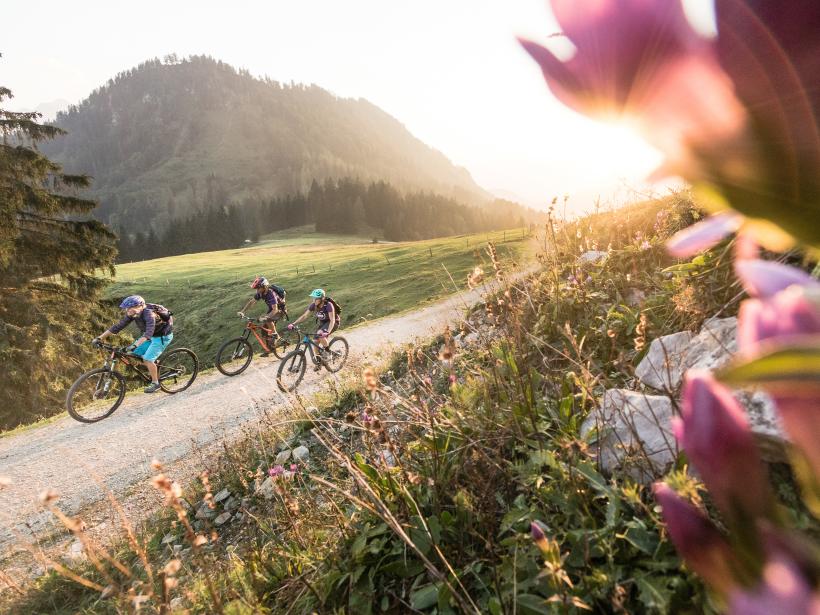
(592, 256)
(388, 458)
(282, 457)
(634, 433)
(245, 503)
(713, 346)
(267, 490)
(231, 503)
(222, 495)
(223, 518)
(635, 297)
(205, 512)
(176, 603)
(765, 425)
(75, 551)
(662, 366)
(301, 453)
(471, 338)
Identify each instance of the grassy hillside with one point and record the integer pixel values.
(423, 497)
(368, 280)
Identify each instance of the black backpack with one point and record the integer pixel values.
(279, 291)
(165, 315)
(336, 307)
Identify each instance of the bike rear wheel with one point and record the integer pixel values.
(283, 345)
(291, 371)
(177, 370)
(234, 356)
(336, 354)
(95, 395)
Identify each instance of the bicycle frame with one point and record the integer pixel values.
(252, 327)
(132, 364)
(309, 341)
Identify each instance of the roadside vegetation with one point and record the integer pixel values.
(424, 480)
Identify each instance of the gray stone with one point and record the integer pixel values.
(301, 453)
(388, 458)
(223, 518)
(713, 346)
(765, 425)
(267, 489)
(75, 550)
(222, 495)
(231, 503)
(662, 367)
(634, 433)
(592, 256)
(205, 512)
(282, 457)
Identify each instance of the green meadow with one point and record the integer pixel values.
(369, 280)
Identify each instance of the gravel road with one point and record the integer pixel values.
(77, 459)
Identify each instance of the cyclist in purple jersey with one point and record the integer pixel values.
(274, 301)
(326, 317)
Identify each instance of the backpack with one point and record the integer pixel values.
(279, 291)
(160, 310)
(336, 307)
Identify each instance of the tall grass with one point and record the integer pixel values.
(425, 480)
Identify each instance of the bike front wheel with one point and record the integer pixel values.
(291, 371)
(284, 343)
(177, 370)
(95, 395)
(336, 354)
(234, 356)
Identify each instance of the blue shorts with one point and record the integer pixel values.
(151, 349)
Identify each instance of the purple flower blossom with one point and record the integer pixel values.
(703, 235)
(784, 318)
(765, 278)
(697, 540)
(782, 591)
(276, 470)
(715, 435)
(294, 468)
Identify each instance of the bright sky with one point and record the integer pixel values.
(450, 70)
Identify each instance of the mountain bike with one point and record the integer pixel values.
(98, 392)
(234, 356)
(292, 368)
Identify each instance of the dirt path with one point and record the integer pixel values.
(77, 459)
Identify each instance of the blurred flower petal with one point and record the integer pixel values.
(784, 318)
(715, 434)
(697, 540)
(765, 278)
(703, 235)
(782, 591)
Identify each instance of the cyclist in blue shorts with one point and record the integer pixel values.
(156, 325)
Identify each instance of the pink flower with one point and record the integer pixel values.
(703, 235)
(697, 540)
(783, 590)
(276, 470)
(751, 132)
(716, 437)
(642, 58)
(784, 318)
(539, 537)
(294, 468)
(765, 278)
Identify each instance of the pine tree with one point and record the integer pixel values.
(50, 255)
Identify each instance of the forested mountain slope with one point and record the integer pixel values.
(170, 137)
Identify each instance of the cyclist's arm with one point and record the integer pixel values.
(301, 318)
(250, 302)
(116, 327)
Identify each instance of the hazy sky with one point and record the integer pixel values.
(450, 70)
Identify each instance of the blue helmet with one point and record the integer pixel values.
(132, 301)
(318, 294)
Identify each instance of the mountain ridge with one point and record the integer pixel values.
(170, 137)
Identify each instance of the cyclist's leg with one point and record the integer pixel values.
(151, 354)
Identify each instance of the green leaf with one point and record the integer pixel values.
(494, 606)
(654, 593)
(787, 367)
(640, 538)
(530, 604)
(424, 598)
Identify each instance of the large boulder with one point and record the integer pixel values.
(662, 366)
(633, 434)
(714, 345)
